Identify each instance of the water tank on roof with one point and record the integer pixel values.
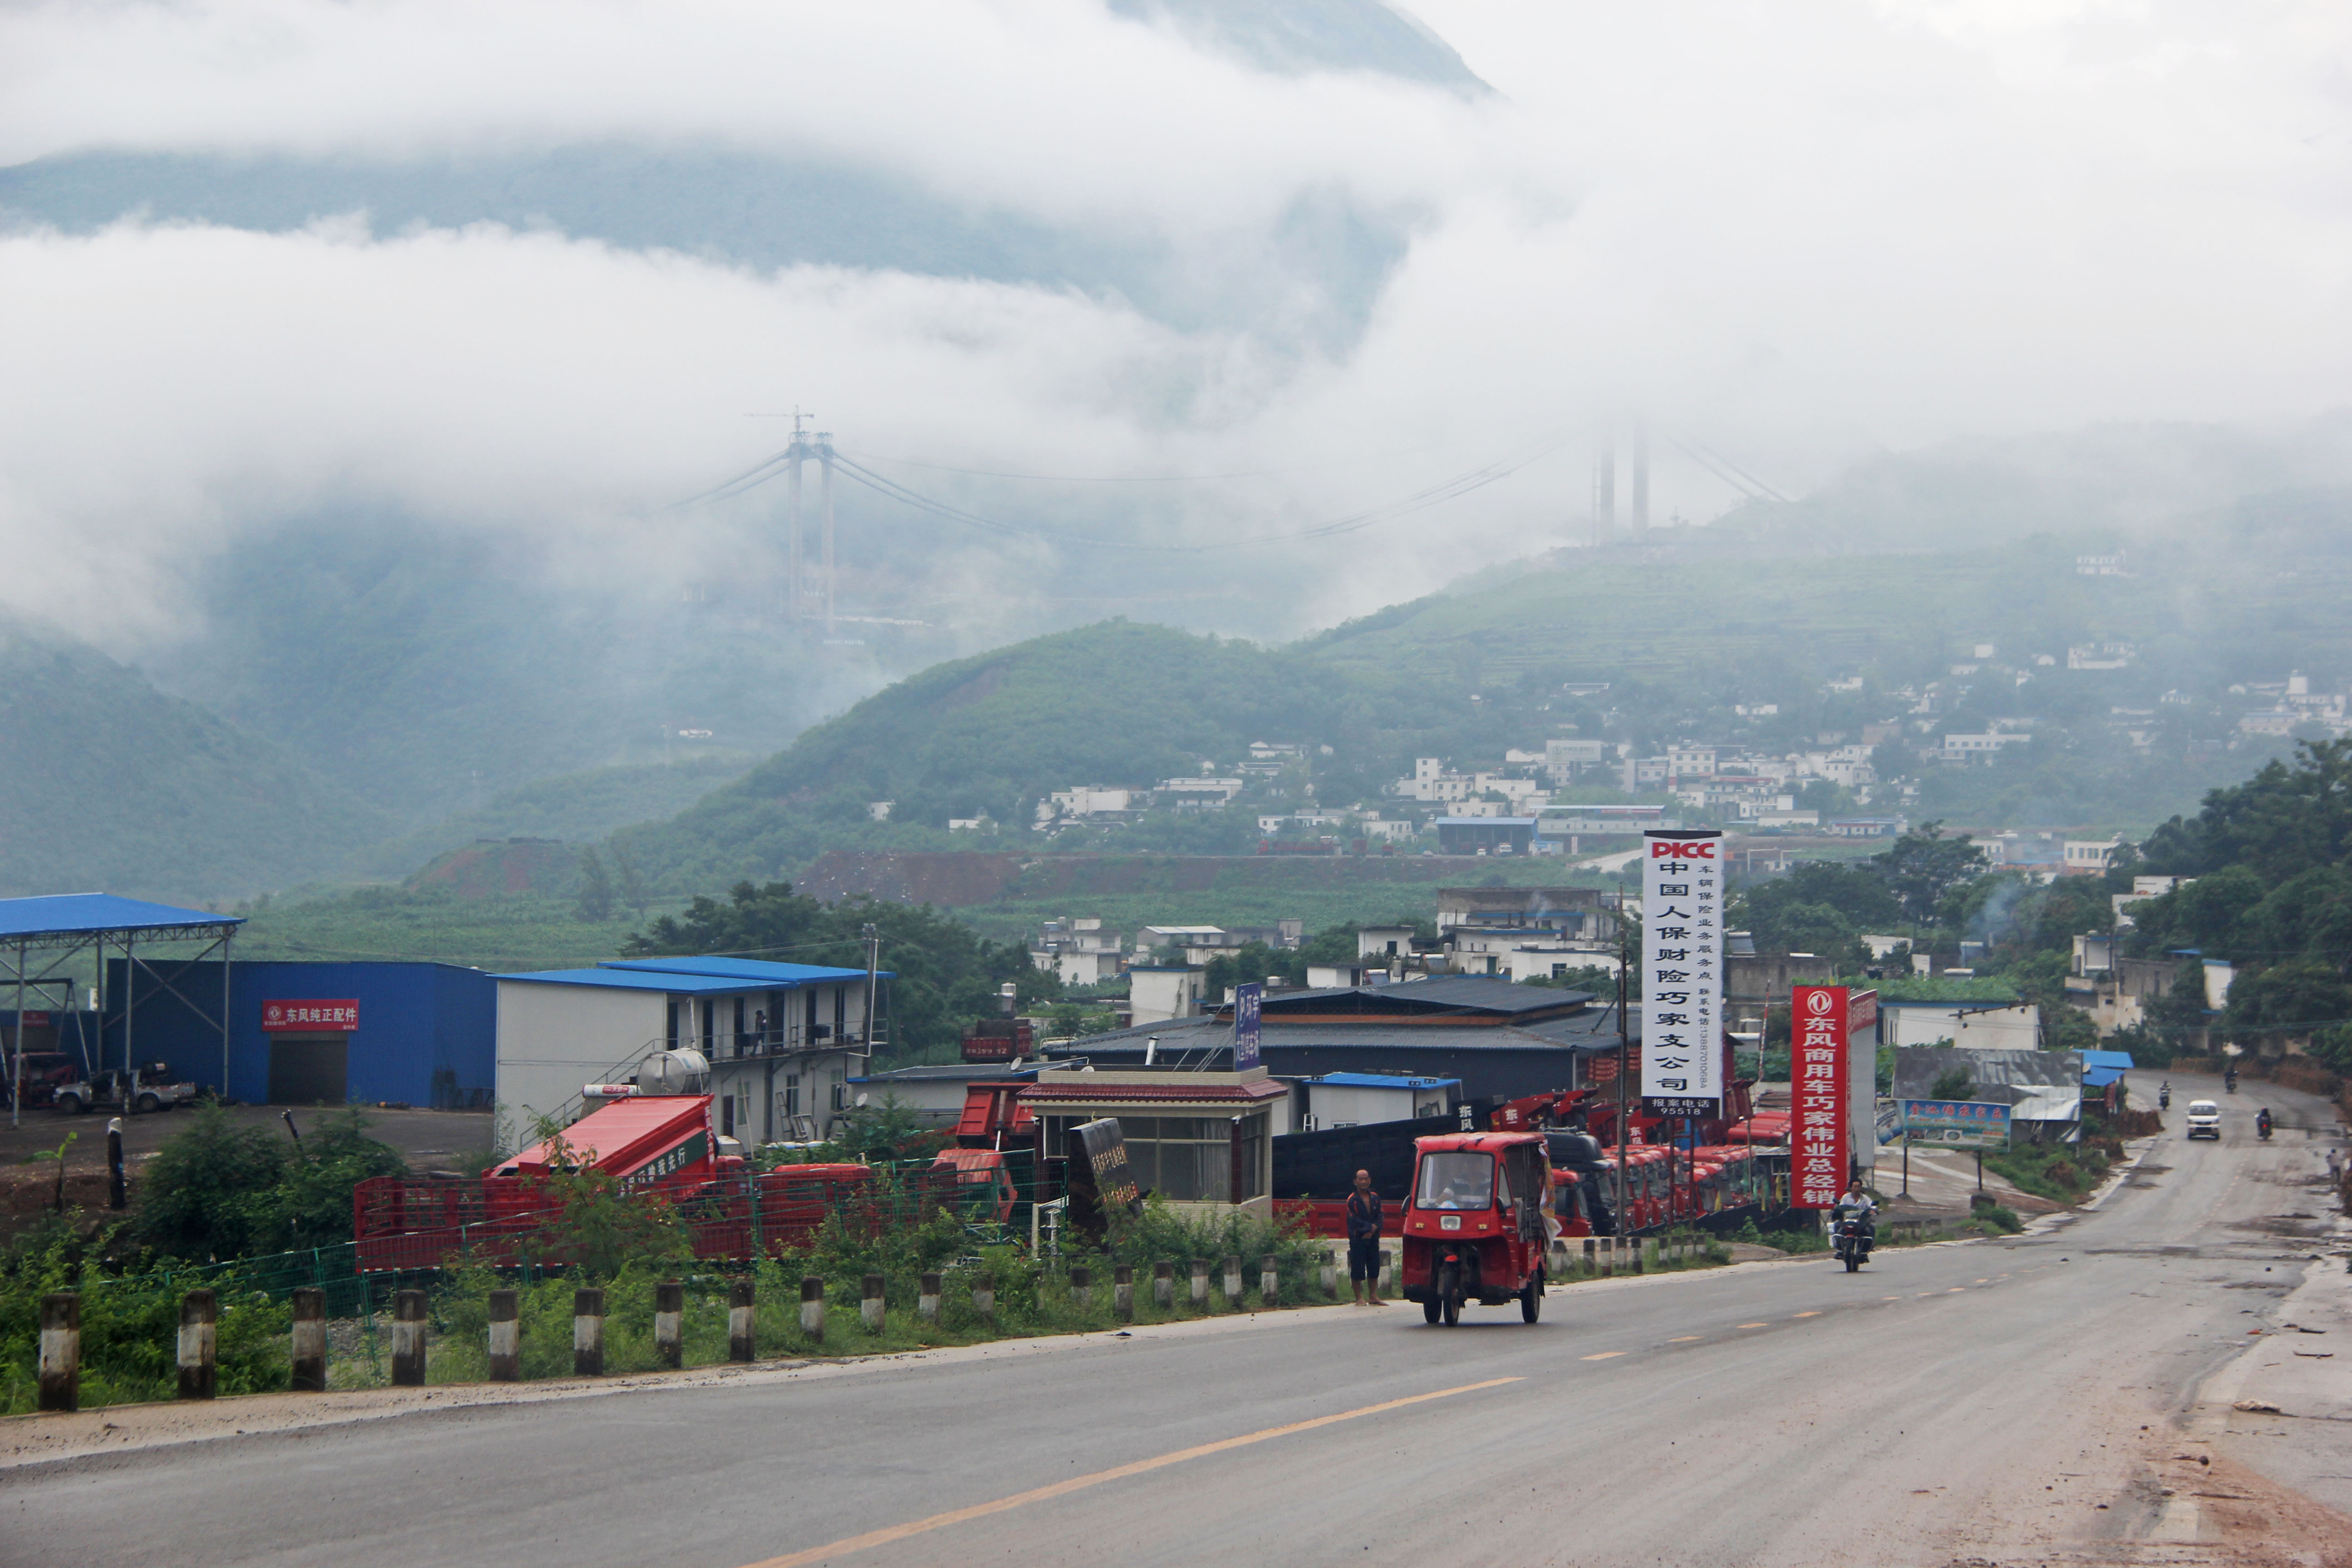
(675, 1072)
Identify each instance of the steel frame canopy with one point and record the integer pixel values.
(61, 924)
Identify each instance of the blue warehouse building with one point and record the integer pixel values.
(313, 1034)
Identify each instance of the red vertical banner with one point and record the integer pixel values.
(1818, 1057)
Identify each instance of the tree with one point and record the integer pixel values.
(2297, 996)
(1923, 865)
(633, 888)
(596, 890)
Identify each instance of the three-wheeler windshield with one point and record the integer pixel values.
(1455, 1179)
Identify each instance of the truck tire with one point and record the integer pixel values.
(73, 1104)
(1449, 1295)
(151, 1102)
(1531, 1302)
(1431, 1311)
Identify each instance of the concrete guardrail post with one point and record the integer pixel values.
(309, 1341)
(1269, 1282)
(871, 1308)
(506, 1336)
(61, 1371)
(983, 1296)
(1123, 1293)
(1329, 1275)
(1200, 1281)
(1082, 1288)
(927, 1299)
(1591, 1261)
(813, 1308)
(588, 1333)
(742, 1323)
(1164, 1286)
(408, 1339)
(199, 1344)
(669, 1324)
(1232, 1281)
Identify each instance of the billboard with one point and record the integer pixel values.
(1956, 1123)
(1680, 1011)
(280, 1015)
(1828, 1102)
(1097, 1177)
(1248, 1000)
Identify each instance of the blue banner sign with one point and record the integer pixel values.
(1957, 1123)
(1247, 1000)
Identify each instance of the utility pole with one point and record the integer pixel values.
(873, 967)
(1625, 962)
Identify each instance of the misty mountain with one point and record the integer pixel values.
(110, 785)
(1309, 278)
(428, 673)
(1112, 704)
(2136, 479)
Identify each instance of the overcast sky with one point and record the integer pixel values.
(1795, 233)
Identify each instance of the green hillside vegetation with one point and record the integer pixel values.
(1114, 703)
(109, 785)
(2271, 860)
(2257, 591)
(576, 808)
(499, 933)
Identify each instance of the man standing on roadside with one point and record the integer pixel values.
(1364, 1240)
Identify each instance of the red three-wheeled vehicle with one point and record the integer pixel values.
(1474, 1224)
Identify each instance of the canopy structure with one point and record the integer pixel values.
(57, 928)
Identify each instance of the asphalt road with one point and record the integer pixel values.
(2002, 1402)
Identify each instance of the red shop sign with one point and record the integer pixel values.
(306, 1014)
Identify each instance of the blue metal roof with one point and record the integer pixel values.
(1383, 1081)
(86, 914)
(2101, 1069)
(631, 980)
(768, 975)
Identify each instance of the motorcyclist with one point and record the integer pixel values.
(1861, 1206)
(2230, 1080)
(2164, 1095)
(2262, 1121)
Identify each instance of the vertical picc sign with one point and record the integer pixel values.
(1681, 972)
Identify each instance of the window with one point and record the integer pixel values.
(788, 1100)
(727, 1116)
(1456, 1180)
(840, 1011)
(1185, 1159)
(840, 1095)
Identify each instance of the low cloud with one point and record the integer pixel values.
(1794, 234)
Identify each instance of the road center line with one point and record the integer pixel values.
(1683, 1339)
(1806, 1314)
(1755, 1325)
(874, 1538)
(1604, 1355)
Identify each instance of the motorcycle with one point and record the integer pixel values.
(2164, 1099)
(2262, 1126)
(2230, 1080)
(1850, 1238)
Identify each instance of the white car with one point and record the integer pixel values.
(2204, 1119)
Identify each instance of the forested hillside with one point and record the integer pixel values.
(107, 783)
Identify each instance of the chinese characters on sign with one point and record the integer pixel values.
(342, 1013)
(1681, 972)
(1822, 1024)
(1246, 1001)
